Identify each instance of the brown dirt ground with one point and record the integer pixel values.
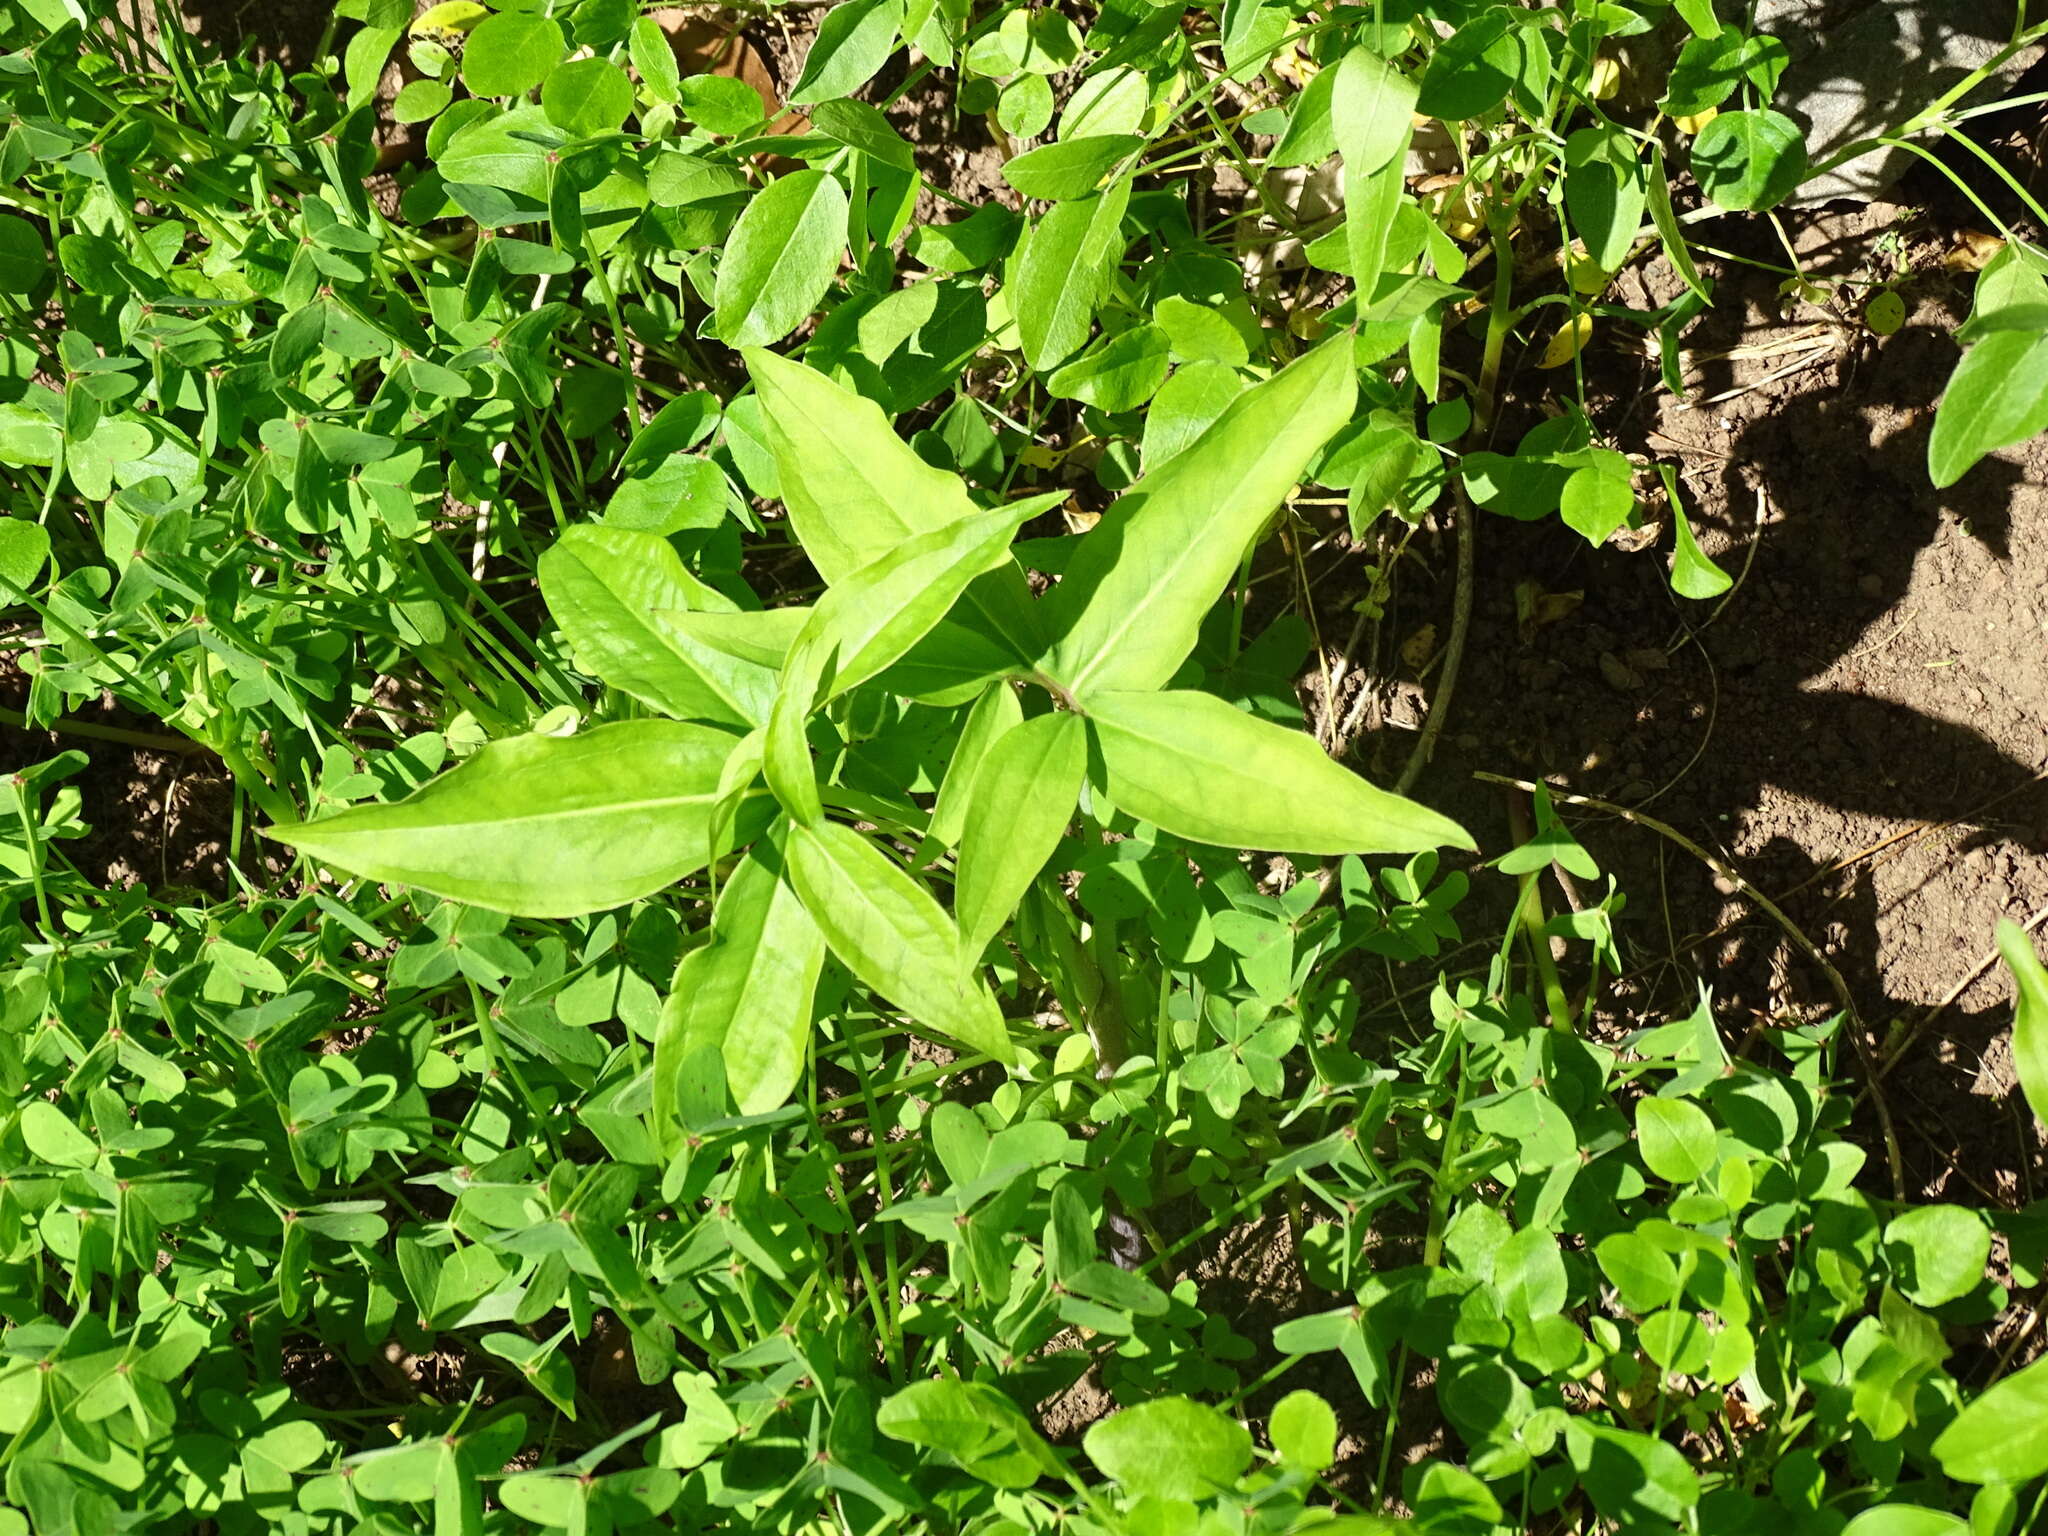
(1858, 731)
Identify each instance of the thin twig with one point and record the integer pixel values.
(1846, 862)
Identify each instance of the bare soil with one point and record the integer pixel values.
(1858, 729)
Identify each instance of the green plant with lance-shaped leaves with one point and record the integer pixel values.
(925, 604)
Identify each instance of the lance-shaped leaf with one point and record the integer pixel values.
(1023, 797)
(1205, 770)
(1128, 610)
(607, 587)
(1061, 272)
(877, 614)
(996, 711)
(892, 934)
(2029, 1014)
(746, 995)
(855, 491)
(546, 826)
(869, 620)
(738, 655)
(762, 637)
(1372, 112)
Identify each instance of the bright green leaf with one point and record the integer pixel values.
(2029, 1015)
(746, 995)
(587, 97)
(1070, 168)
(1170, 1448)
(1997, 396)
(510, 53)
(1938, 1252)
(52, 1138)
(610, 588)
(1304, 1431)
(1136, 592)
(1676, 1139)
(24, 546)
(2002, 1435)
(542, 826)
(1061, 272)
(1022, 799)
(1207, 771)
(1906, 1520)
(780, 258)
(854, 40)
(889, 931)
(1749, 160)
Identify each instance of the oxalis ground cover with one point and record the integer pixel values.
(957, 767)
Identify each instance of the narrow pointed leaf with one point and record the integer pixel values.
(1023, 797)
(867, 621)
(855, 491)
(739, 656)
(746, 995)
(2029, 1014)
(606, 588)
(892, 934)
(785, 745)
(874, 617)
(1061, 272)
(1127, 613)
(1997, 396)
(545, 826)
(995, 712)
(1372, 113)
(1204, 770)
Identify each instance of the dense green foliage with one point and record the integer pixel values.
(753, 1003)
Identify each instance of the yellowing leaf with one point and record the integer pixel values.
(1568, 343)
(1691, 124)
(448, 16)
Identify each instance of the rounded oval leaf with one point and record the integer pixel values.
(1749, 160)
(1906, 1520)
(1171, 1448)
(1677, 1139)
(587, 97)
(780, 258)
(510, 53)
